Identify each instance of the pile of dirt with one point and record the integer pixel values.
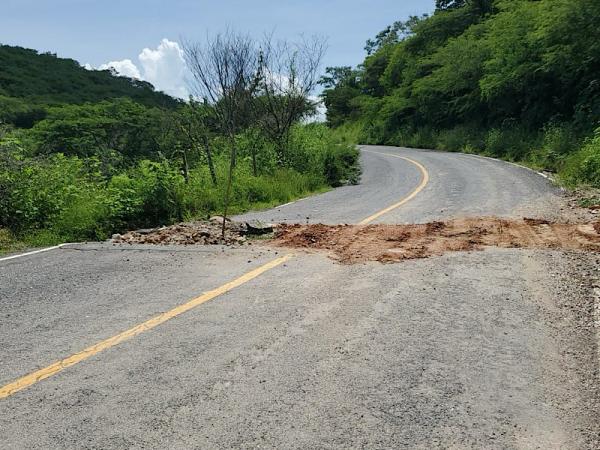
(195, 233)
(391, 243)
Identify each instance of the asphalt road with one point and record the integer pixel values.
(487, 349)
(459, 185)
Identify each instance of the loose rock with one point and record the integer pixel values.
(192, 233)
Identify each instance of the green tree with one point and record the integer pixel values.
(341, 87)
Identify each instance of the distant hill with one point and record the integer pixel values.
(43, 78)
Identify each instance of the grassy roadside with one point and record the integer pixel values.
(56, 198)
(11, 243)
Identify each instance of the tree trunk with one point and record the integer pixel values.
(282, 144)
(254, 165)
(279, 151)
(211, 166)
(229, 182)
(186, 168)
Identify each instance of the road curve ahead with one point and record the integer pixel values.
(117, 346)
(457, 185)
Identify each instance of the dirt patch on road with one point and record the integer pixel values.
(392, 243)
(385, 243)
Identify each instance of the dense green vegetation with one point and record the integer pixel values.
(515, 79)
(101, 154)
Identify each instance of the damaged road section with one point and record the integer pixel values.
(392, 243)
(196, 233)
(384, 243)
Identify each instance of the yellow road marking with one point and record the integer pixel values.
(419, 188)
(59, 366)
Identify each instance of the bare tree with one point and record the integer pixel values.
(290, 72)
(226, 73)
(193, 122)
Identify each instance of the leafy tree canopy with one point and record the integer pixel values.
(480, 63)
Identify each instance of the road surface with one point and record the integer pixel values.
(458, 185)
(490, 349)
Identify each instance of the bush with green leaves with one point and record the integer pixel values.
(20, 113)
(97, 130)
(52, 198)
(583, 166)
(459, 139)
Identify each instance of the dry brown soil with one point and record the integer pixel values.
(393, 243)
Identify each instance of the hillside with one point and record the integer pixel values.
(44, 78)
(513, 79)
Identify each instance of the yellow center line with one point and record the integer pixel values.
(61, 365)
(413, 194)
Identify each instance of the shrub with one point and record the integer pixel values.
(458, 139)
(557, 143)
(53, 198)
(583, 166)
(511, 142)
(8, 242)
(340, 165)
(422, 138)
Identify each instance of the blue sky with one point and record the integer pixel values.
(96, 32)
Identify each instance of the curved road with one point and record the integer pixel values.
(459, 185)
(207, 347)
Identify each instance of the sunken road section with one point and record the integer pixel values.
(393, 243)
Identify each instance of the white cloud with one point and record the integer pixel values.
(164, 67)
(321, 110)
(125, 68)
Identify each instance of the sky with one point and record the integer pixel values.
(140, 38)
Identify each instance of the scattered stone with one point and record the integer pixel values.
(219, 219)
(192, 233)
(259, 228)
(145, 231)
